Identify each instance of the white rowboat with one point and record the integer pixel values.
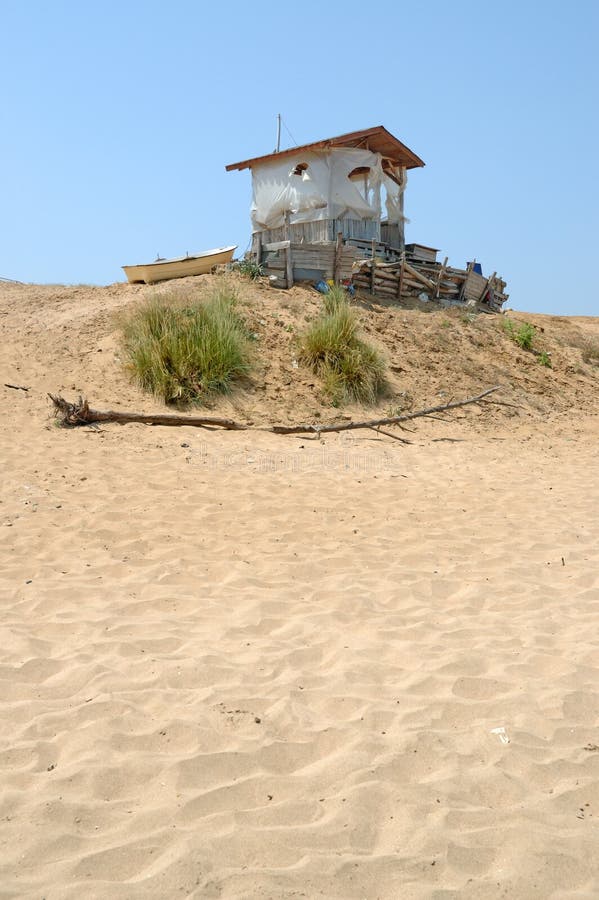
(164, 269)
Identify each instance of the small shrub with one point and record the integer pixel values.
(524, 336)
(183, 351)
(545, 359)
(350, 368)
(250, 269)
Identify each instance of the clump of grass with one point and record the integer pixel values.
(335, 299)
(183, 351)
(590, 352)
(545, 359)
(523, 336)
(586, 343)
(250, 269)
(351, 369)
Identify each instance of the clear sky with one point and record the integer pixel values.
(118, 119)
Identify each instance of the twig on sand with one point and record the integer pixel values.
(395, 437)
(80, 413)
(16, 387)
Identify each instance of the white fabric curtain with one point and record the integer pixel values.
(321, 189)
(393, 192)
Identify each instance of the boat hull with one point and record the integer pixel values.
(166, 269)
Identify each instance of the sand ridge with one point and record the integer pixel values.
(239, 665)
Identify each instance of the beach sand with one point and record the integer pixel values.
(248, 666)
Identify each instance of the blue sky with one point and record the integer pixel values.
(119, 118)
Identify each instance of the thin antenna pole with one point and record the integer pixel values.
(278, 132)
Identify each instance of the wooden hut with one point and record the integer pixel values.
(317, 207)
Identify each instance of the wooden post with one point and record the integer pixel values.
(288, 253)
(289, 266)
(337, 263)
(402, 227)
(372, 265)
(440, 277)
(469, 268)
(488, 284)
(400, 279)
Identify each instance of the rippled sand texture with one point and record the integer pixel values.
(250, 666)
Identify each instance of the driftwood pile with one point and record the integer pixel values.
(409, 277)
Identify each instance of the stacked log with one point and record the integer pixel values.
(411, 278)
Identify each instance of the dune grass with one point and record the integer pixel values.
(351, 369)
(590, 352)
(184, 350)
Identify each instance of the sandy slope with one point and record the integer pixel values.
(248, 666)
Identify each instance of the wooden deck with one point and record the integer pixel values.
(378, 268)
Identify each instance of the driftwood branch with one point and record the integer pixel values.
(80, 413)
(376, 423)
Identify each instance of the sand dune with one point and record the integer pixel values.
(246, 666)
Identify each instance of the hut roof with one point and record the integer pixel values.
(377, 139)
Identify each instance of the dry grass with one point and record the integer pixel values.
(590, 352)
(183, 350)
(351, 369)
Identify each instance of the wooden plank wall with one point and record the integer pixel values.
(383, 251)
(322, 231)
(363, 229)
(473, 286)
(316, 258)
(390, 234)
